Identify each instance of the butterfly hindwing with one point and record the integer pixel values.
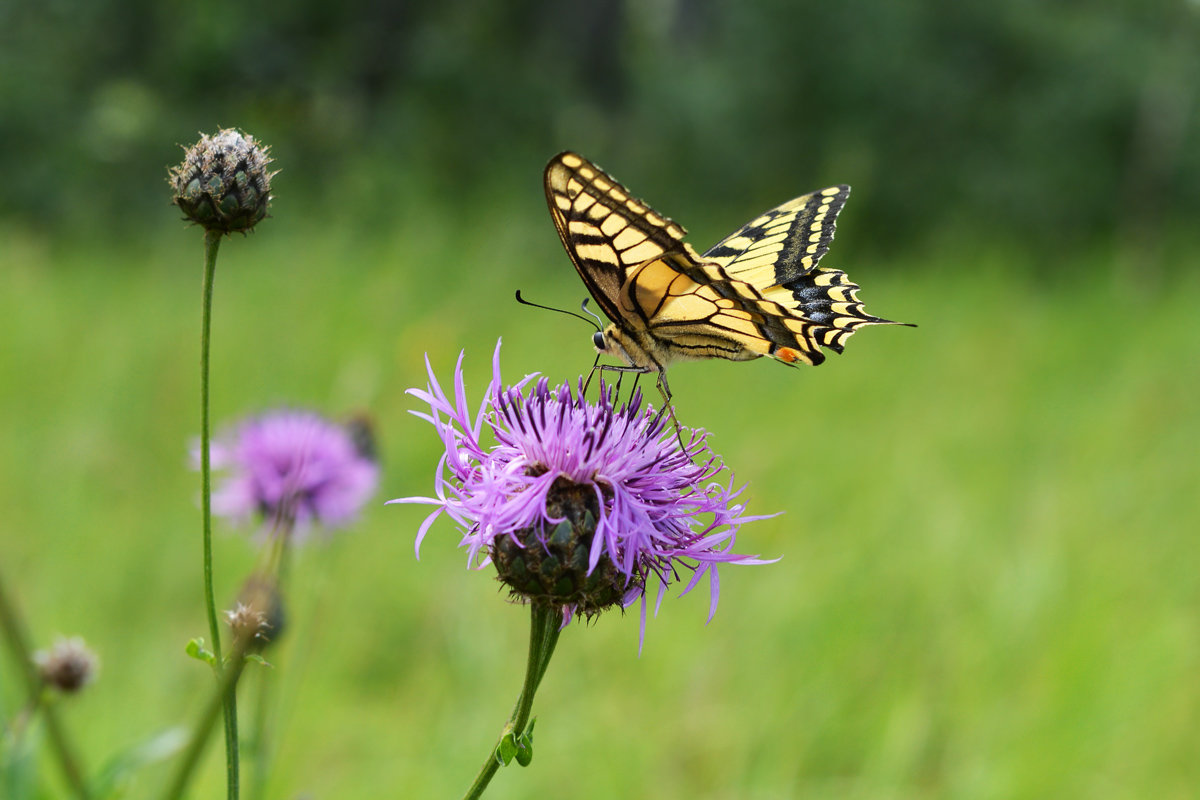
(694, 309)
(777, 253)
(783, 243)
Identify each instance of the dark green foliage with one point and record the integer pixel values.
(1052, 123)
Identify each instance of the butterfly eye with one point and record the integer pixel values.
(598, 341)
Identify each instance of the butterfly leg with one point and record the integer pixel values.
(663, 388)
(667, 408)
(620, 370)
(665, 391)
(588, 382)
(637, 378)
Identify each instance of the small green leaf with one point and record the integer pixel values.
(257, 659)
(123, 769)
(195, 648)
(507, 749)
(18, 765)
(525, 745)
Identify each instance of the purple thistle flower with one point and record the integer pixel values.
(613, 475)
(295, 468)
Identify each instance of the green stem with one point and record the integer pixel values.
(14, 632)
(259, 755)
(212, 243)
(545, 626)
(225, 689)
(232, 769)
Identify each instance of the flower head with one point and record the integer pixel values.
(257, 618)
(223, 183)
(294, 468)
(67, 666)
(579, 504)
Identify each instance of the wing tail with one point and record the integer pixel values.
(827, 300)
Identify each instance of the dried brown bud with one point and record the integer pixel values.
(67, 666)
(257, 618)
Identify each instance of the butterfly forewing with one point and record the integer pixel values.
(604, 229)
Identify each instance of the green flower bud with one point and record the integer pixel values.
(549, 563)
(223, 183)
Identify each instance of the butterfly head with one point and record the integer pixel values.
(614, 342)
(600, 343)
(629, 347)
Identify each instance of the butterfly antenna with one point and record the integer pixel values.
(525, 302)
(583, 307)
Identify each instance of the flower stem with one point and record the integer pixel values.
(258, 744)
(226, 688)
(18, 641)
(212, 242)
(545, 626)
(258, 755)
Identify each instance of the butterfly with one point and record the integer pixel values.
(757, 292)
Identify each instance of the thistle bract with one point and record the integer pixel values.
(579, 504)
(223, 183)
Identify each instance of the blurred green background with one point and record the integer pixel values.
(988, 586)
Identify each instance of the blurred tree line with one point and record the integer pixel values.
(1048, 122)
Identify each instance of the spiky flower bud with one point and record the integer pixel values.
(249, 625)
(548, 563)
(223, 184)
(67, 666)
(257, 618)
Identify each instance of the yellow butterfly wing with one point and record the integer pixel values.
(782, 243)
(605, 230)
(777, 253)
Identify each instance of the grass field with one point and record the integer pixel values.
(988, 586)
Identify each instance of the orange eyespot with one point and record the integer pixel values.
(787, 355)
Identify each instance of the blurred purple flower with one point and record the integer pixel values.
(294, 468)
(660, 513)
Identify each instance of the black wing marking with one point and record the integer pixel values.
(784, 243)
(605, 230)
